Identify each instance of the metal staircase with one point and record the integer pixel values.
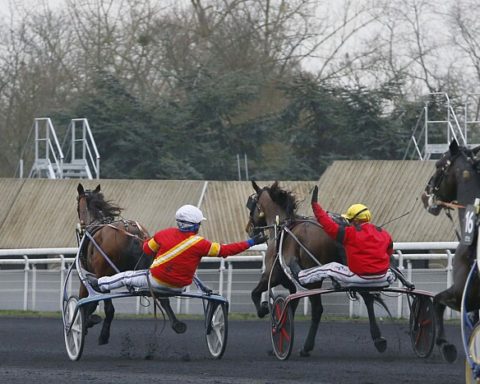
(77, 158)
(437, 127)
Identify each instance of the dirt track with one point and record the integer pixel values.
(32, 350)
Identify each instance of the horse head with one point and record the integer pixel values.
(456, 179)
(91, 206)
(269, 205)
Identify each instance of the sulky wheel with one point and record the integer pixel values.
(422, 326)
(469, 377)
(282, 328)
(472, 363)
(217, 328)
(74, 328)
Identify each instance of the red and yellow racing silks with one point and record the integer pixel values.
(368, 248)
(178, 254)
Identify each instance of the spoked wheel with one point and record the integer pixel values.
(422, 326)
(217, 328)
(74, 328)
(282, 328)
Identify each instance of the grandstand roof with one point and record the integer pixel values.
(37, 213)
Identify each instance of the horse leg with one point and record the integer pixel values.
(448, 350)
(91, 318)
(177, 325)
(317, 311)
(109, 313)
(378, 340)
(262, 286)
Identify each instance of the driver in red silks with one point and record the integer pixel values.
(367, 249)
(177, 252)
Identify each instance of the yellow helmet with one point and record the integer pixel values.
(358, 212)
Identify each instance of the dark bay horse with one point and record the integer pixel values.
(265, 205)
(120, 241)
(455, 184)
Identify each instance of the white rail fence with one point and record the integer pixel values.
(33, 279)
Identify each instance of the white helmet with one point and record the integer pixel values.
(189, 214)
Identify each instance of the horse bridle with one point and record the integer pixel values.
(279, 228)
(85, 196)
(252, 205)
(436, 181)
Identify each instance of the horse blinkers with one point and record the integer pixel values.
(430, 196)
(254, 222)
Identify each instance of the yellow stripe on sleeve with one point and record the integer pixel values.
(214, 249)
(153, 245)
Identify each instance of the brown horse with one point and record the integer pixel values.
(455, 183)
(265, 206)
(113, 244)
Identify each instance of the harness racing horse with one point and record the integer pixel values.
(265, 205)
(112, 243)
(455, 184)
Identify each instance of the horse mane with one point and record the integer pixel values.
(103, 208)
(285, 199)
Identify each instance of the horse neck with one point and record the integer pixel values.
(467, 191)
(271, 217)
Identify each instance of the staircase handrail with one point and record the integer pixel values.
(413, 137)
(89, 148)
(463, 135)
(53, 149)
(467, 120)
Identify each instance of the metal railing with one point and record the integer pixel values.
(432, 137)
(48, 153)
(82, 150)
(234, 278)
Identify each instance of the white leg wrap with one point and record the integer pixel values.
(136, 279)
(346, 278)
(336, 270)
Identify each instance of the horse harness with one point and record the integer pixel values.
(436, 180)
(91, 229)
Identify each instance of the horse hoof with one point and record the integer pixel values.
(179, 327)
(449, 352)
(263, 311)
(380, 344)
(93, 320)
(304, 353)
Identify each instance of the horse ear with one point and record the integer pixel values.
(80, 189)
(97, 189)
(255, 186)
(453, 148)
(476, 150)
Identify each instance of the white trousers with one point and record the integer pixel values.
(131, 279)
(346, 278)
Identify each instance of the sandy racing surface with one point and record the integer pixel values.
(32, 351)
